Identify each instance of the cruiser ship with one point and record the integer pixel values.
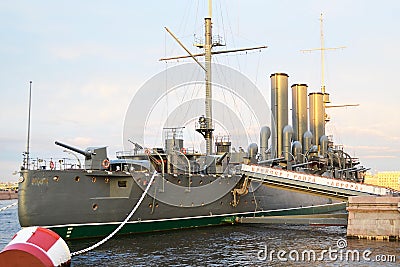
(184, 187)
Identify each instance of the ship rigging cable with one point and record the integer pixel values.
(9, 206)
(122, 224)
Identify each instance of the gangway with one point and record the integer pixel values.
(312, 184)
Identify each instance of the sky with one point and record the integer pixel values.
(87, 59)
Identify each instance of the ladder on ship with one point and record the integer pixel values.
(312, 184)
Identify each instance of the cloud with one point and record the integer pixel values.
(380, 157)
(8, 171)
(80, 141)
(374, 149)
(73, 52)
(369, 132)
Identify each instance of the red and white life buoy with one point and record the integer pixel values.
(183, 150)
(105, 164)
(36, 246)
(51, 165)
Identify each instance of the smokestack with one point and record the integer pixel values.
(299, 111)
(317, 116)
(279, 111)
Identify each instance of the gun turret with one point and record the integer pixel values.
(95, 157)
(77, 150)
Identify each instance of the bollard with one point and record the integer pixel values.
(36, 246)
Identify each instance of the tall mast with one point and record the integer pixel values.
(29, 127)
(205, 123)
(208, 100)
(326, 99)
(209, 8)
(322, 49)
(322, 55)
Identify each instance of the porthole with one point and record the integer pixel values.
(93, 179)
(121, 183)
(95, 206)
(56, 178)
(77, 178)
(106, 180)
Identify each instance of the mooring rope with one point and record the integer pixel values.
(121, 225)
(9, 206)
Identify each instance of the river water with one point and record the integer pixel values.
(236, 245)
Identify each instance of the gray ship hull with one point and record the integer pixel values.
(77, 203)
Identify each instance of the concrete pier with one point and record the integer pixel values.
(374, 217)
(5, 195)
(336, 219)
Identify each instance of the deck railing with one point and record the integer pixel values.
(54, 164)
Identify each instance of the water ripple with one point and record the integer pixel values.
(236, 245)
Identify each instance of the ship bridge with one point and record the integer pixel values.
(312, 184)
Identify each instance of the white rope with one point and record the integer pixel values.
(121, 225)
(9, 206)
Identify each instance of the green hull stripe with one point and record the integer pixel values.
(98, 230)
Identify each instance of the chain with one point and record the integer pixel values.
(121, 225)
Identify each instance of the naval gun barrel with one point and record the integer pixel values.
(77, 150)
(219, 161)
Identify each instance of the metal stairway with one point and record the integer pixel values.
(312, 184)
